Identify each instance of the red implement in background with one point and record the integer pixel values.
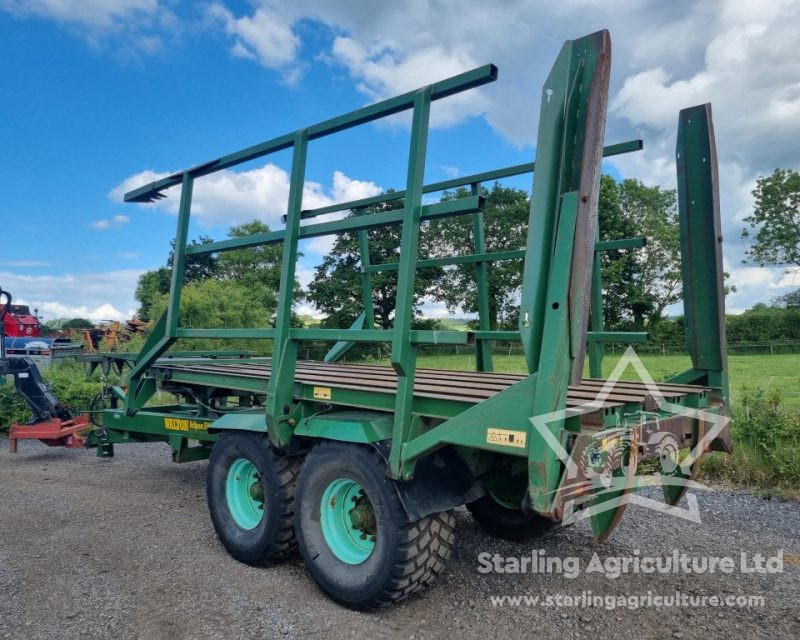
(54, 433)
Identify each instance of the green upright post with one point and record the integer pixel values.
(404, 353)
(366, 276)
(701, 256)
(179, 257)
(284, 354)
(562, 233)
(164, 333)
(597, 348)
(483, 348)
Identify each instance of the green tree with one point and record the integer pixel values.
(197, 267)
(212, 304)
(617, 266)
(506, 227)
(257, 268)
(789, 300)
(78, 323)
(152, 284)
(775, 220)
(639, 284)
(336, 288)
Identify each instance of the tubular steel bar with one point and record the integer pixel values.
(597, 320)
(620, 337)
(416, 336)
(281, 383)
(404, 353)
(483, 348)
(356, 223)
(514, 254)
(625, 243)
(441, 262)
(366, 276)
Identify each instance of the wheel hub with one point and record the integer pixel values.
(244, 493)
(362, 516)
(348, 521)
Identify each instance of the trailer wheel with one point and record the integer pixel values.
(505, 519)
(354, 534)
(250, 490)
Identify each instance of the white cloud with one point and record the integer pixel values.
(104, 312)
(308, 310)
(383, 72)
(97, 296)
(305, 272)
(264, 37)
(105, 223)
(451, 172)
(432, 309)
(28, 263)
(747, 75)
(92, 13)
(757, 284)
(230, 197)
(130, 26)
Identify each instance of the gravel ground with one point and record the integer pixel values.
(124, 548)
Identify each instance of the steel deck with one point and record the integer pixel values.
(468, 387)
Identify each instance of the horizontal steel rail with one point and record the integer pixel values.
(622, 337)
(384, 218)
(233, 334)
(624, 243)
(418, 336)
(495, 256)
(441, 262)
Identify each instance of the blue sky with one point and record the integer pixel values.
(102, 95)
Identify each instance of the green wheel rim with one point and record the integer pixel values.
(244, 491)
(506, 504)
(348, 521)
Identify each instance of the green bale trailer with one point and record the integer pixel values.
(361, 466)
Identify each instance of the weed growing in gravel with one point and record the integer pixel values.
(766, 452)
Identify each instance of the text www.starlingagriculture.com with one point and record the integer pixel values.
(587, 599)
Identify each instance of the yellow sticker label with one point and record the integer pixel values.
(506, 438)
(184, 424)
(322, 393)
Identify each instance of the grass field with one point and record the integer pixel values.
(777, 372)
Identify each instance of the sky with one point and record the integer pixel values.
(102, 96)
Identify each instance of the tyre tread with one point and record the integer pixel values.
(424, 549)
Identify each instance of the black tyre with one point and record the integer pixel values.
(250, 490)
(354, 535)
(504, 520)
